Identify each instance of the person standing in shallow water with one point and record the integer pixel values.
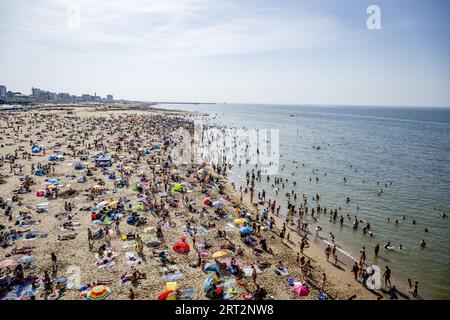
(377, 249)
(387, 277)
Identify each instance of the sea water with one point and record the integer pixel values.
(371, 147)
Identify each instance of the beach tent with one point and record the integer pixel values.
(39, 172)
(137, 207)
(52, 157)
(79, 166)
(177, 187)
(166, 142)
(301, 291)
(181, 247)
(245, 230)
(112, 176)
(26, 259)
(35, 149)
(81, 179)
(103, 161)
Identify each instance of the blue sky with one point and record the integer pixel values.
(288, 52)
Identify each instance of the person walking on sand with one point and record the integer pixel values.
(324, 280)
(328, 252)
(254, 275)
(355, 270)
(387, 277)
(131, 294)
(54, 263)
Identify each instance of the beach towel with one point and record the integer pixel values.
(107, 265)
(248, 271)
(186, 294)
(282, 272)
(133, 258)
(174, 277)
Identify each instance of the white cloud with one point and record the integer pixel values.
(162, 29)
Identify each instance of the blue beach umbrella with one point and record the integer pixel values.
(26, 259)
(245, 230)
(212, 267)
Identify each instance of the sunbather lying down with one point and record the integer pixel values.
(21, 250)
(133, 277)
(67, 237)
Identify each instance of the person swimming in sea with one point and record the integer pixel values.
(422, 243)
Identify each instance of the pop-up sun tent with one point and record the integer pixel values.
(39, 172)
(35, 149)
(177, 187)
(103, 161)
(181, 247)
(79, 166)
(245, 230)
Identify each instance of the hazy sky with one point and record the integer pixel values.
(299, 52)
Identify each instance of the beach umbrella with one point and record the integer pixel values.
(98, 293)
(51, 186)
(212, 267)
(208, 283)
(219, 254)
(177, 187)
(167, 295)
(26, 259)
(113, 203)
(301, 291)
(239, 221)
(181, 247)
(97, 186)
(207, 201)
(245, 230)
(137, 207)
(8, 263)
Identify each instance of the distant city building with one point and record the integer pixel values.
(35, 92)
(2, 93)
(39, 95)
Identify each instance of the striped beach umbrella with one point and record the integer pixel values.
(98, 293)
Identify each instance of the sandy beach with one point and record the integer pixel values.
(132, 189)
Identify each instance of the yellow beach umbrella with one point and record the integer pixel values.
(239, 221)
(219, 254)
